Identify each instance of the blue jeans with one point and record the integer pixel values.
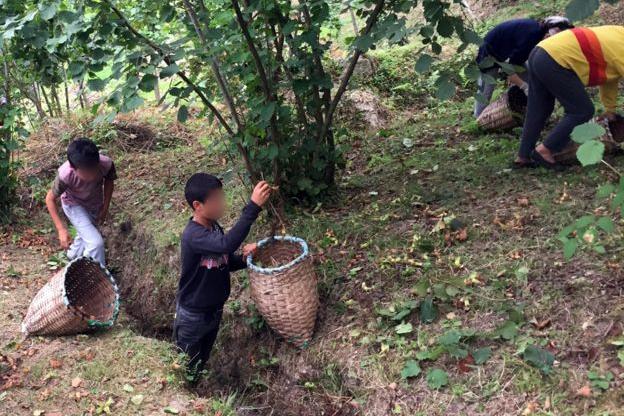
(195, 334)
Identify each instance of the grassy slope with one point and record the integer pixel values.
(375, 245)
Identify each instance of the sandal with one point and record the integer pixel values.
(539, 160)
(517, 165)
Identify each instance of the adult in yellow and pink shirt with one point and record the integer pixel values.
(560, 68)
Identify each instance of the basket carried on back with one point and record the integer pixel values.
(283, 287)
(612, 139)
(80, 297)
(506, 112)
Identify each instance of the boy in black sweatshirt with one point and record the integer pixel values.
(207, 260)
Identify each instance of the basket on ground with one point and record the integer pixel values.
(506, 112)
(82, 296)
(612, 139)
(284, 287)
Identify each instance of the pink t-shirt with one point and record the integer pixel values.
(75, 191)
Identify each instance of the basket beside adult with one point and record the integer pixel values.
(284, 287)
(81, 297)
(612, 139)
(505, 113)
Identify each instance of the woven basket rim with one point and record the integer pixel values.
(273, 270)
(94, 323)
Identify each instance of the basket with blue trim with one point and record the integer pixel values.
(284, 287)
(81, 297)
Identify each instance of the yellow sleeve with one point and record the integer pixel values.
(609, 94)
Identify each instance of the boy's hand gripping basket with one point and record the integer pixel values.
(283, 287)
(80, 297)
(506, 112)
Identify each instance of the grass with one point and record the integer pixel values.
(439, 217)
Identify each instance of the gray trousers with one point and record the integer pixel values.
(89, 241)
(549, 81)
(486, 90)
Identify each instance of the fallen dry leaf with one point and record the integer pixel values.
(584, 391)
(540, 324)
(76, 382)
(54, 363)
(531, 408)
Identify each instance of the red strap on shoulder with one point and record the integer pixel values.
(591, 48)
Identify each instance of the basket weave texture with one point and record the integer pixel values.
(284, 287)
(82, 296)
(611, 139)
(505, 113)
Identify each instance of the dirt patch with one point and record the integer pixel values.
(364, 106)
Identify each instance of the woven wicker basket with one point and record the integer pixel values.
(81, 297)
(283, 287)
(505, 113)
(612, 140)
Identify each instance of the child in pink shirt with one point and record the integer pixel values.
(84, 184)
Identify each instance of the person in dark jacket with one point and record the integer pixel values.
(511, 42)
(208, 256)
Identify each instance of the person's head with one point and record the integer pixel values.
(84, 156)
(555, 24)
(204, 193)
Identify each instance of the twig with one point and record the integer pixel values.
(607, 164)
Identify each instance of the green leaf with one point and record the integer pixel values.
(539, 358)
(569, 248)
(590, 152)
(437, 378)
(445, 88)
(605, 190)
(445, 26)
(97, 84)
(171, 410)
(428, 310)
(450, 337)
(47, 10)
(411, 369)
(606, 224)
(128, 388)
(169, 71)
(148, 83)
(132, 103)
(482, 355)
(403, 328)
(581, 9)
(423, 64)
(586, 132)
(508, 330)
(183, 114)
(267, 111)
(621, 356)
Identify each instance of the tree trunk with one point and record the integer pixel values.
(57, 101)
(37, 101)
(157, 90)
(47, 101)
(66, 88)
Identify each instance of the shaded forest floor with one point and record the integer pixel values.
(428, 224)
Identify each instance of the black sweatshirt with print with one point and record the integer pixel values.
(207, 260)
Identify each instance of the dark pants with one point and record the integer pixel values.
(195, 334)
(549, 81)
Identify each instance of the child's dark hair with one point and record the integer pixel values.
(83, 153)
(199, 186)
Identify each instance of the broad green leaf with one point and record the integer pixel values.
(606, 224)
(76, 69)
(450, 337)
(605, 190)
(403, 328)
(169, 71)
(590, 152)
(47, 10)
(437, 378)
(445, 26)
(148, 83)
(482, 355)
(581, 9)
(411, 369)
(569, 248)
(539, 358)
(183, 113)
(132, 103)
(445, 88)
(423, 64)
(267, 111)
(508, 330)
(586, 132)
(428, 311)
(97, 84)
(621, 356)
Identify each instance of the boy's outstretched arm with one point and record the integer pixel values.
(63, 234)
(206, 241)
